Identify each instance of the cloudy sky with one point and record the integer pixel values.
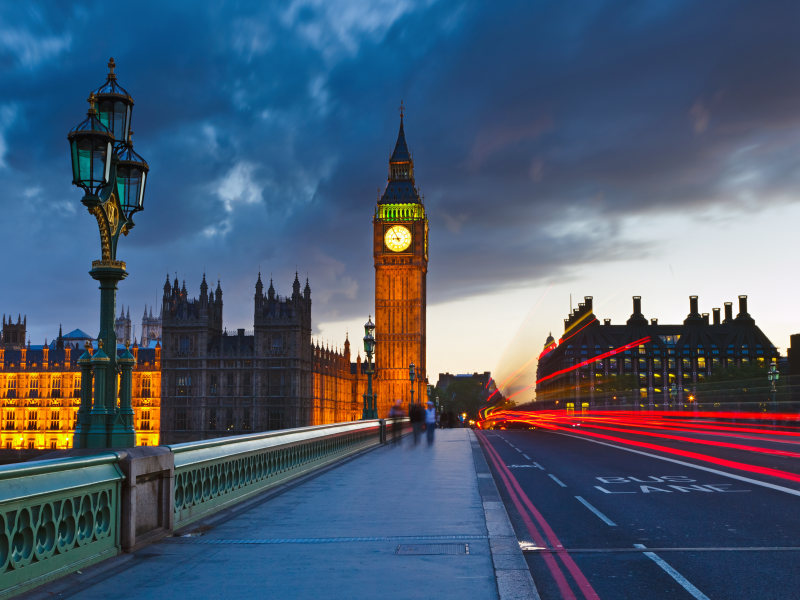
(608, 149)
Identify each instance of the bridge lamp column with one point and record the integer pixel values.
(772, 376)
(370, 400)
(412, 376)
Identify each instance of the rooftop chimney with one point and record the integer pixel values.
(693, 306)
(716, 315)
(728, 312)
(588, 302)
(742, 307)
(637, 306)
(705, 318)
(606, 321)
(653, 321)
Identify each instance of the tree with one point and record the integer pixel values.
(463, 396)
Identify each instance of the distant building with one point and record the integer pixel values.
(218, 383)
(40, 390)
(794, 354)
(150, 333)
(446, 379)
(684, 354)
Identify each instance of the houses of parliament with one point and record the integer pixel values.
(194, 379)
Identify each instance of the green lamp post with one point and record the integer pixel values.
(772, 377)
(113, 179)
(411, 375)
(370, 399)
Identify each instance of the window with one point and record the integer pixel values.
(612, 363)
(184, 385)
(730, 348)
(185, 345)
(627, 363)
(144, 422)
(715, 364)
(55, 387)
(687, 364)
(146, 387)
(687, 375)
(670, 340)
(9, 420)
(598, 364)
(230, 384)
(212, 419)
(31, 445)
(182, 419)
(671, 364)
(55, 422)
(8, 444)
(276, 419)
(657, 363)
(76, 386)
(759, 352)
(34, 388)
(745, 349)
(641, 349)
(212, 389)
(643, 364)
(52, 444)
(701, 363)
(248, 386)
(656, 351)
(745, 361)
(33, 420)
(229, 419)
(246, 418)
(657, 379)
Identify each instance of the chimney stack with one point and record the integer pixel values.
(693, 306)
(716, 315)
(637, 305)
(742, 307)
(653, 321)
(705, 318)
(728, 312)
(606, 321)
(588, 302)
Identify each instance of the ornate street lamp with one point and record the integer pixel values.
(673, 393)
(370, 399)
(113, 179)
(772, 375)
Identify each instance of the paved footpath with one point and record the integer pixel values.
(290, 544)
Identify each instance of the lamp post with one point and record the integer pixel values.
(772, 376)
(673, 393)
(370, 399)
(411, 376)
(113, 179)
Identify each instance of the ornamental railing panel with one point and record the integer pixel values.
(56, 516)
(213, 474)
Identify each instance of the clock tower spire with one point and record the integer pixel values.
(400, 253)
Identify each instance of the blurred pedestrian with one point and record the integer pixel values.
(416, 416)
(430, 422)
(397, 413)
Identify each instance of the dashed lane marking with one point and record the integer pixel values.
(603, 518)
(526, 456)
(674, 574)
(537, 465)
(557, 480)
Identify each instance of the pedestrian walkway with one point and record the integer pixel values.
(354, 531)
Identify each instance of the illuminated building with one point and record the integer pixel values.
(217, 383)
(400, 253)
(683, 354)
(40, 392)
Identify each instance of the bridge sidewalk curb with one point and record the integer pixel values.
(514, 581)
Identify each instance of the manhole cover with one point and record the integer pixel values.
(419, 549)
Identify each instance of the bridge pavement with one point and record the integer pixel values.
(336, 535)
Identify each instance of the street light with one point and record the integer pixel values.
(113, 178)
(411, 376)
(370, 399)
(673, 393)
(772, 375)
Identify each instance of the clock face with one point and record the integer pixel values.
(397, 238)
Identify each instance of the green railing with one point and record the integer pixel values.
(213, 474)
(56, 516)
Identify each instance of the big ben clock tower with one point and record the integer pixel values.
(400, 251)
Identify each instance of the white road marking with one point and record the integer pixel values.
(526, 456)
(603, 518)
(518, 450)
(607, 492)
(531, 466)
(557, 480)
(674, 574)
(772, 486)
(539, 466)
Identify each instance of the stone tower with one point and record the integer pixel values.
(400, 252)
(14, 334)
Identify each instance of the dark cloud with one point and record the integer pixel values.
(537, 128)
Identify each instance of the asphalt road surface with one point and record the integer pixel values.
(603, 519)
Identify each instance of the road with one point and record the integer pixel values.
(719, 523)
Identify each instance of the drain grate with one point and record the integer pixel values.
(439, 549)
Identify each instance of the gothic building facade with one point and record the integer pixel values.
(400, 255)
(218, 383)
(583, 365)
(149, 334)
(40, 391)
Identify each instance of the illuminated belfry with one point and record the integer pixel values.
(582, 368)
(400, 252)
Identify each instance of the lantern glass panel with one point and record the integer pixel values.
(130, 188)
(116, 116)
(106, 162)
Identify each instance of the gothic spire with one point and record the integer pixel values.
(401, 153)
